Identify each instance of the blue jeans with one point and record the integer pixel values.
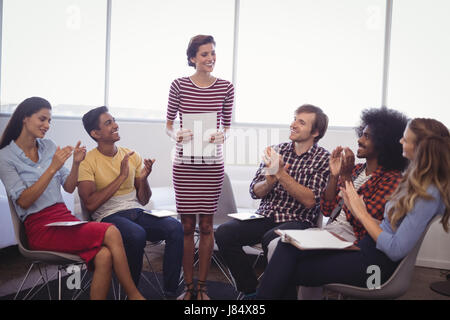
(136, 227)
(233, 235)
(290, 266)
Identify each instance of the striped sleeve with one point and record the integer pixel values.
(228, 106)
(174, 101)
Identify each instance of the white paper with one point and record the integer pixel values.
(245, 215)
(202, 126)
(161, 213)
(65, 223)
(315, 239)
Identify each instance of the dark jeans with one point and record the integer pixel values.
(235, 234)
(290, 266)
(136, 227)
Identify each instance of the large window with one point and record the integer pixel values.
(330, 53)
(324, 52)
(419, 82)
(56, 50)
(148, 49)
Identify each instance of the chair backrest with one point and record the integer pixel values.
(49, 257)
(400, 280)
(226, 203)
(396, 285)
(19, 229)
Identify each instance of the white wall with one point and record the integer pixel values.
(150, 140)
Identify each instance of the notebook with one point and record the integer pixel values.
(161, 213)
(65, 223)
(312, 239)
(245, 216)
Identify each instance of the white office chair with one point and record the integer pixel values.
(41, 259)
(395, 286)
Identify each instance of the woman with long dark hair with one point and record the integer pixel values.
(32, 170)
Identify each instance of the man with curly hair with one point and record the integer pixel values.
(379, 135)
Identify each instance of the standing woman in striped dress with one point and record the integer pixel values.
(198, 181)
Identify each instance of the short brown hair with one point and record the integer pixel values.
(321, 122)
(194, 44)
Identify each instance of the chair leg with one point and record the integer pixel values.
(45, 279)
(23, 281)
(84, 287)
(224, 269)
(161, 290)
(59, 283)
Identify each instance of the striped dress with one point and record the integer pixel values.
(198, 181)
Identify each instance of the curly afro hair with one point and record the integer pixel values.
(387, 127)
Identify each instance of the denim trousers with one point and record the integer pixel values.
(138, 227)
(290, 267)
(233, 235)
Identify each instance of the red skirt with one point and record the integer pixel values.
(84, 240)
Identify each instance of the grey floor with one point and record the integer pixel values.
(13, 267)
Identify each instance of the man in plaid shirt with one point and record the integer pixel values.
(289, 183)
(379, 144)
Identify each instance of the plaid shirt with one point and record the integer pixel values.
(375, 192)
(310, 169)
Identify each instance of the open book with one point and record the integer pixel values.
(311, 239)
(65, 223)
(245, 216)
(161, 213)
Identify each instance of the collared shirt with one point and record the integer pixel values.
(18, 172)
(310, 169)
(375, 193)
(396, 244)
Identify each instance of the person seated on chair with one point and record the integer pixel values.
(289, 181)
(32, 170)
(378, 143)
(423, 192)
(113, 187)
(376, 179)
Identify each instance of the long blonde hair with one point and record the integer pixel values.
(430, 166)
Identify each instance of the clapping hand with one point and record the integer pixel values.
(353, 201)
(274, 163)
(79, 153)
(60, 157)
(148, 165)
(336, 161)
(124, 166)
(348, 163)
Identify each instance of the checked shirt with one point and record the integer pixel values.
(375, 193)
(310, 169)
